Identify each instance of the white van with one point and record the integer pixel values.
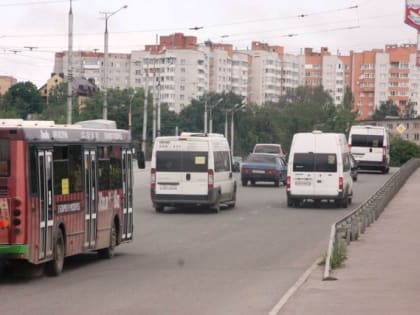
(192, 169)
(370, 147)
(319, 169)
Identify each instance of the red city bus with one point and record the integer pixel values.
(64, 190)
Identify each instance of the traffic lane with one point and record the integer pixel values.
(181, 263)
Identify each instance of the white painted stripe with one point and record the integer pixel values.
(277, 308)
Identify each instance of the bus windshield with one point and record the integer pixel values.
(4, 158)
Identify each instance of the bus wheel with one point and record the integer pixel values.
(54, 267)
(109, 252)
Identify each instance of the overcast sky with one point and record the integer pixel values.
(336, 24)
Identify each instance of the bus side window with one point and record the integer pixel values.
(116, 168)
(61, 170)
(33, 170)
(76, 166)
(104, 167)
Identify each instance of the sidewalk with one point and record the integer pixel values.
(382, 272)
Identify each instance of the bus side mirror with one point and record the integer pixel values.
(141, 163)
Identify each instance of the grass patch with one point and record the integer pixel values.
(338, 256)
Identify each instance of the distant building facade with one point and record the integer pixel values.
(6, 82)
(82, 88)
(408, 129)
(179, 69)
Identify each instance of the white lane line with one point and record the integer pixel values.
(277, 308)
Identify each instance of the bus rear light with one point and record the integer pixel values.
(16, 221)
(17, 202)
(4, 223)
(288, 181)
(340, 183)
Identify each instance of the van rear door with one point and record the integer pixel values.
(181, 170)
(325, 173)
(368, 147)
(303, 178)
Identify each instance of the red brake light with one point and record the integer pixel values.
(384, 153)
(340, 183)
(288, 181)
(211, 179)
(153, 178)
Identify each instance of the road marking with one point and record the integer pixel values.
(277, 308)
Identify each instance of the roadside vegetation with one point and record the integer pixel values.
(303, 111)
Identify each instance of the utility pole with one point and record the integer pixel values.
(154, 101)
(105, 83)
(146, 94)
(70, 68)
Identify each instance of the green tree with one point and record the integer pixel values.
(387, 108)
(22, 100)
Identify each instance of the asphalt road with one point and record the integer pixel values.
(190, 261)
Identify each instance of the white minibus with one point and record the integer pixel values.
(192, 169)
(319, 169)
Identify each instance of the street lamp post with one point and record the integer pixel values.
(105, 83)
(211, 113)
(232, 127)
(129, 111)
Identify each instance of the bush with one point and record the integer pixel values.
(403, 150)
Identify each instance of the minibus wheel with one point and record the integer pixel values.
(55, 266)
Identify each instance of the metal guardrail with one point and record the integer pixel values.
(352, 225)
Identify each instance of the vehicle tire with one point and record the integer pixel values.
(345, 201)
(244, 182)
(159, 208)
(55, 266)
(216, 206)
(109, 252)
(277, 183)
(355, 178)
(252, 182)
(232, 203)
(290, 202)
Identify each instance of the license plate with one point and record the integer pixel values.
(303, 183)
(258, 172)
(168, 187)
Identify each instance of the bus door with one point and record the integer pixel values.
(46, 202)
(91, 193)
(127, 170)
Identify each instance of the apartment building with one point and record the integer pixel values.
(6, 82)
(181, 69)
(228, 69)
(90, 65)
(175, 76)
(382, 75)
(264, 72)
(292, 70)
(333, 77)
